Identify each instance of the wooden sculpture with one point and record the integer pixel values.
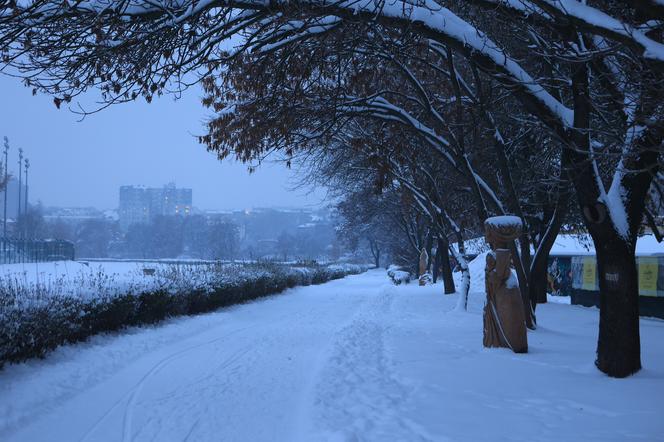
(504, 318)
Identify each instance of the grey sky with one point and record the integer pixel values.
(83, 163)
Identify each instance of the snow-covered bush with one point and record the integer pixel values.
(426, 278)
(397, 275)
(37, 317)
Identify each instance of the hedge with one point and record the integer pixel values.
(32, 329)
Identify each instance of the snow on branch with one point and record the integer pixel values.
(137, 21)
(601, 23)
(379, 107)
(91, 31)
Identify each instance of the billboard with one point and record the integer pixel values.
(583, 274)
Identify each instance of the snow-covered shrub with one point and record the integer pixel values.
(37, 317)
(397, 275)
(425, 278)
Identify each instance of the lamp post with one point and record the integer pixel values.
(25, 209)
(20, 168)
(4, 221)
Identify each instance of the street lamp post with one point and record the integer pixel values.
(25, 209)
(4, 221)
(20, 168)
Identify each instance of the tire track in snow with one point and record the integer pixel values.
(131, 403)
(257, 341)
(131, 396)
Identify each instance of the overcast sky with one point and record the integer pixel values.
(83, 163)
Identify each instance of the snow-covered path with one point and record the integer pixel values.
(244, 373)
(353, 359)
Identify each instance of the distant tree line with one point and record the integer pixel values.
(163, 237)
(172, 236)
(195, 236)
(307, 244)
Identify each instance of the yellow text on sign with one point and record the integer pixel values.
(648, 270)
(589, 274)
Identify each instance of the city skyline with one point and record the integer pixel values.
(83, 163)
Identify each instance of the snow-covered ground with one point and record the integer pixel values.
(44, 271)
(81, 279)
(351, 360)
(34, 282)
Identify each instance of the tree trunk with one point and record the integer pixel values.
(429, 247)
(375, 252)
(524, 246)
(462, 303)
(448, 277)
(618, 344)
(538, 279)
(436, 264)
(522, 277)
(539, 266)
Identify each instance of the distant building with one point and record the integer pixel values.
(139, 204)
(72, 214)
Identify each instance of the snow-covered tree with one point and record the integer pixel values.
(571, 66)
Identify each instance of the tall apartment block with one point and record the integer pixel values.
(139, 204)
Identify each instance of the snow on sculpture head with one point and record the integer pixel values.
(500, 230)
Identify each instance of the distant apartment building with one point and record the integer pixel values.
(139, 204)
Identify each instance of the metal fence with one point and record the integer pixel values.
(14, 251)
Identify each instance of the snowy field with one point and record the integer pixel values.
(50, 271)
(81, 279)
(36, 281)
(351, 360)
(84, 279)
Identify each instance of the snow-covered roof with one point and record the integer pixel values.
(111, 214)
(574, 244)
(582, 244)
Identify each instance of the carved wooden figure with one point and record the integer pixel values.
(425, 278)
(504, 318)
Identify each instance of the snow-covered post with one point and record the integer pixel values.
(462, 303)
(504, 315)
(423, 261)
(425, 277)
